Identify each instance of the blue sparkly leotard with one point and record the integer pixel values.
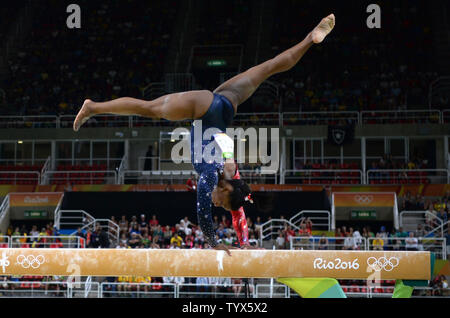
(219, 115)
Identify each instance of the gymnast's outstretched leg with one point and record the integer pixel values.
(194, 104)
(177, 106)
(242, 86)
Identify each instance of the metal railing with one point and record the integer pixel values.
(98, 121)
(29, 122)
(81, 177)
(440, 229)
(331, 243)
(111, 228)
(272, 291)
(213, 290)
(46, 167)
(4, 214)
(437, 245)
(89, 289)
(270, 229)
(72, 219)
(431, 116)
(260, 119)
(47, 289)
(320, 219)
(324, 176)
(410, 221)
(156, 176)
(19, 177)
(255, 176)
(137, 290)
(45, 241)
(319, 118)
(400, 176)
(270, 118)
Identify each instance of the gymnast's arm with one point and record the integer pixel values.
(206, 184)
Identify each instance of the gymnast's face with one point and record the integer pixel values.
(221, 195)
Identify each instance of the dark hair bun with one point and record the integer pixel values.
(240, 191)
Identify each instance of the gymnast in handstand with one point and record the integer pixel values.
(219, 181)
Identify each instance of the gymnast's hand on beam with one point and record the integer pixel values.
(225, 248)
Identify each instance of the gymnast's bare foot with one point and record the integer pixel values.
(323, 28)
(83, 115)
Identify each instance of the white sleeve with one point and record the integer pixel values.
(226, 144)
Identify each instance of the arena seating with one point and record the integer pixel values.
(138, 46)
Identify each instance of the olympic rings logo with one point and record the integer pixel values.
(30, 261)
(363, 199)
(382, 263)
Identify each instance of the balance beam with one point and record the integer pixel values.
(213, 263)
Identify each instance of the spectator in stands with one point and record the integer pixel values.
(288, 233)
(357, 237)
(304, 230)
(430, 216)
(191, 183)
(153, 221)
(411, 243)
(339, 242)
(225, 221)
(177, 240)
(228, 239)
(34, 233)
(157, 231)
(99, 238)
(308, 223)
(420, 232)
(80, 233)
(180, 231)
(442, 215)
(378, 243)
(323, 243)
(383, 234)
(143, 223)
(123, 224)
(402, 235)
(135, 240)
(189, 241)
(134, 229)
(215, 222)
(167, 235)
(199, 238)
(280, 241)
(349, 242)
(146, 239)
(344, 231)
(134, 223)
(221, 231)
(253, 241)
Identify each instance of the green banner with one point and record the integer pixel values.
(363, 215)
(30, 214)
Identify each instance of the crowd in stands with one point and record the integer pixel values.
(120, 48)
(139, 232)
(371, 70)
(376, 70)
(437, 209)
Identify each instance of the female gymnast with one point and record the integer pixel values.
(218, 182)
